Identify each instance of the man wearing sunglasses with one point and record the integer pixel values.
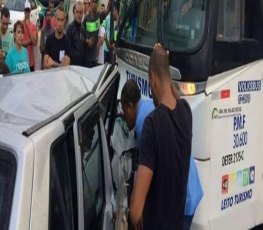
(91, 24)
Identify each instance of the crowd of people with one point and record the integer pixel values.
(85, 41)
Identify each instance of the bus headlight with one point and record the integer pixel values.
(189, 88)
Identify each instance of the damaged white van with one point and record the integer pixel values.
(56, 142)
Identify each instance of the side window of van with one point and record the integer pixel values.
(63, 187)
(92, 170)
(109, 103)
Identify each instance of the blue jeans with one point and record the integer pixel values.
(187, 222)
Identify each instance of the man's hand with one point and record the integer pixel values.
(27, 22)
(139, 225)
(142, 184)
(173, 88)
(186, 7)
(50, 62)
(113, 46)
(90, 42)
(65, 60)
(159, 45)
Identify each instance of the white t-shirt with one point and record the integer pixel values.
(101, 51)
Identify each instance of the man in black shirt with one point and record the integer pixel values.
(91, 24)
(57, 44)
(76, 34)
(159, 194)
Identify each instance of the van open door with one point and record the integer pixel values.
(121, 144)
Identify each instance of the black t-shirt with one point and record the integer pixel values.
(165, 148)
(77, 38)
(92, 31)
(57, 48)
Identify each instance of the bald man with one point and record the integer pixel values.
(158, 198)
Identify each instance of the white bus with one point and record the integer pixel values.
(216, 50)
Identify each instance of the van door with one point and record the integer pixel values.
(95, 191)
(54, 196)
(63, 204)
(121, 144)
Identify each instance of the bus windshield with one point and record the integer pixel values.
(141, 27)
(183, 23)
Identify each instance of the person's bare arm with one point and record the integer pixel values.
(49, 62)
(46, 61)
(65, 61)
(107, 10)
(99, 44)
(174, 90)
(32, 36)
(108, 44)
(41, 47)
(1, 55)
(142, 184)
